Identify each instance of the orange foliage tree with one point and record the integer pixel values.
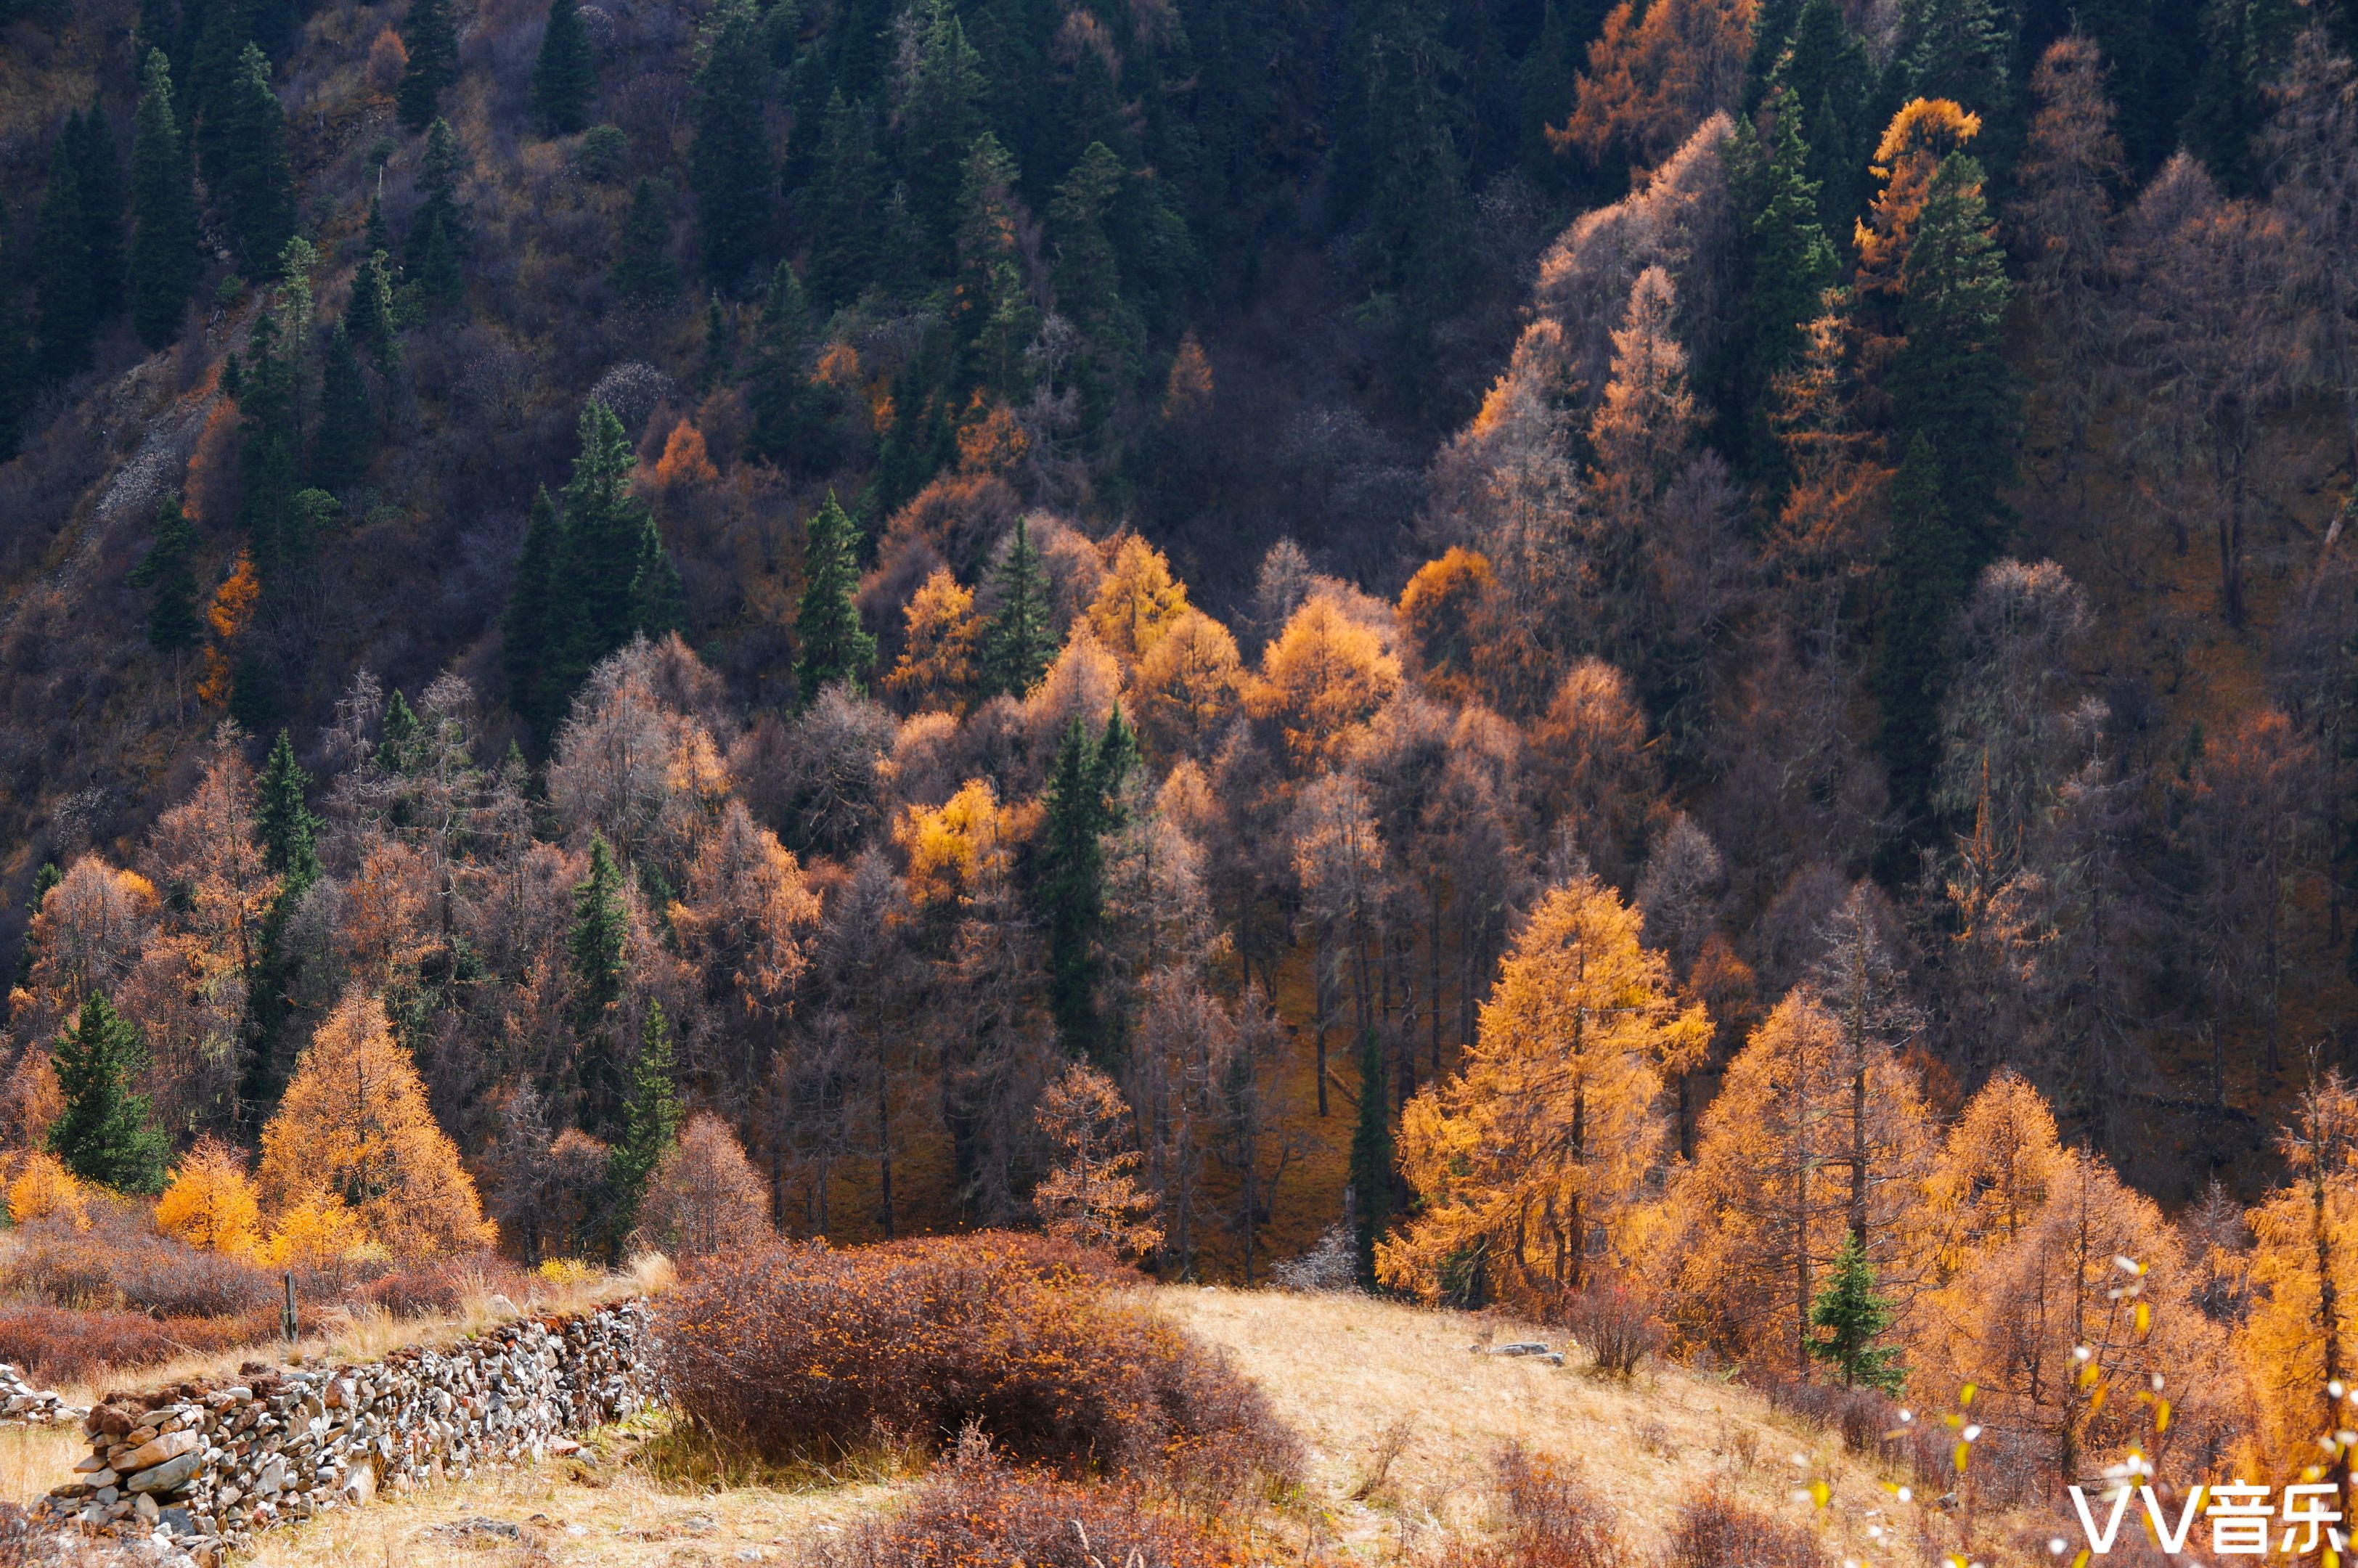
(1529, 1160)
(210, 1202)
(1436, 609)
(705, 1196)
(1321, 679)
(354, 1126)
(1654, 74)
(1768, 1201)
(1137, 601)
(1185, 688)
(936, 668)
(1090, 1195)
(2300, 1342)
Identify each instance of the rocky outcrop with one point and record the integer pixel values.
(19, 1401)
(201, 1468)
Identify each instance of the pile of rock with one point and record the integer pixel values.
(19, 1401)
(201, 1468)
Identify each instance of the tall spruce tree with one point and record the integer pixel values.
(641, 270)
(438, 238)
(64, 281)
(564, 74)
(164, 260)
(604, 521)
(431, 37)
(651, 1115)
(256, 186)
(1950, 381)
(1929, 567)
(289, 834)
(787, 422)
(1851, 1316)
(106, 1131)
(215, 46)
(19, 371)
(1088, 272)
(1071, 893)
(345, 441)
(530, 629)
(283, 817)
(728, 160)
(270, 444)
(368, 317)
(1371, 1159)
(830, 646)
(842, 209)
(659, 599)
(1017, 643)
(1825, 75)
(939, 121)
(988, 315)
(168, 573)
(100, 189)
(602, 929)
(1791, 264)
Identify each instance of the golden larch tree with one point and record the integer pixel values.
(354, 1125)
(1997, 1168)
(1768, 1201)
(1091, 1195)
(943, 635)
(1185, 688)
(705, 1196)
(210, 1202)
(1137, 601)
(2300, 1341)
(1322, 679)
(1530, 1160)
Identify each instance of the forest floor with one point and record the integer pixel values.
(1403, 1427)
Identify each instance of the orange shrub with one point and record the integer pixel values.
(53, 1345)
(801, 1351)
(111, 1260)
(44, 1189)
(979, 1511)
(210, 1202)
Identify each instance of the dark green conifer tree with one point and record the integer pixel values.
(1791, 264)
(830, 646)
(2245, 46)
(602, 929)
(289, 834)
(270, 444)
(564, 74)
(642, 271)
(369, 317)
(346, 438)
(1853, 1316)
(1371, 1160)
(604, 521)
(843, 207)
(1826, 76)
(651, 1115)
(256, 188)
(1929, 566)
(157, 30)
(164, 260)
(64, 283)
(530, 631)
(1071, 892)
(1017, 643)
(106, 1133)
(437, 242)
(283, 817)
(168, 572)
(441, 280)
(728, 160)
(788, 428)
(376, 239)
(1960, 49)
(1088, 274)
(102, 211)
(1950, 381)
(215, 48)
(939, 121)
(659, 600)
(397, 734)
(431, 37)
(990, 317)
(19, 371)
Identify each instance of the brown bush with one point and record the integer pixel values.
(1717, 1531)
(1552, 1522)
(444, 1285)
(118, 1262)
(54, 1345)
(979, 1513)
(1614, 1321)
(802, 1352)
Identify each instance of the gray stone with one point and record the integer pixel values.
(168, 1477)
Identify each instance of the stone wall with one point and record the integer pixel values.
(200, 1468)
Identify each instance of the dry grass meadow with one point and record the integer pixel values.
(1403, 1423)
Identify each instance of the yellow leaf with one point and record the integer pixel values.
(1820, 1492)
(1964, 1452)
(1965, 1394)
(2161, 1416)
(2144, 1317)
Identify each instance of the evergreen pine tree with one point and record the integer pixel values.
(729, 159)
(157, 30)
(269, 450)
(432, 41)
(213, 70)
(783, 403)
(1071, 892)
(831, 647)
(1792, 266)
(1117, 758)
(843, 207)
(1088, 274)
(168, 574)
(64, 283)
(105, 1134)
(602, 928)
(642, 272)
(1826, 76)
(397, 735)
(1959, 49)
(289, 834)
(1928, 568)
(651, 1115)
(376, 238)
(441, 281)
(164, 260)
(1950, 381)
(256, 188)
(100, 189)
(439, 172)
(346, 438)
(529, 629)
(564, 75)
(990, 317)
(2244, 45)
(1371, 1159)
(283, 817)
(19, 374)
(1853, 1316)
(1016, 644)
(939, 122)
(659, 601)
(720, 343)
(368, 319)
(604, 521)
